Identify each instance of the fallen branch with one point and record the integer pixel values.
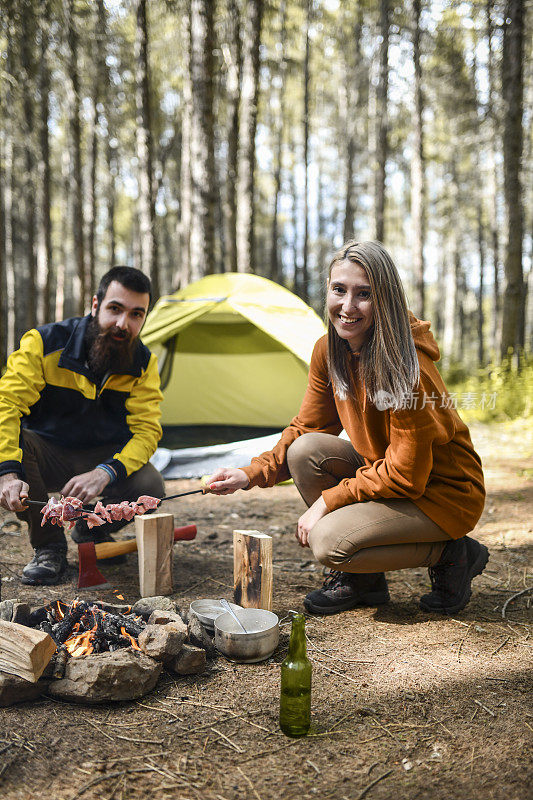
(107, 777)
(370, 785)
(500, 647)
(513, 597)
(223, 735)
(249, 782)
(485, 708)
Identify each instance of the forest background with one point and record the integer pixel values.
(186, 137)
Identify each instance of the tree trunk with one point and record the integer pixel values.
(247, 128)
(102, 89)
(233, 58)
(28, 87)
(453, 306)
(440, 291)
(73, 93)
(303, 282)
(352, 112)
(2, 247)
(382, 122)
(512, 94)
(480, 313)
(92, 204)
(494, 188)
(61, 273)
(323, 241)
(9, 173)
(276, 272)
(112, 169)
(182, 276)
(294, 223)
(202, 140)
(44, 252)
(99, 90)
(418, 178)
(146, 202)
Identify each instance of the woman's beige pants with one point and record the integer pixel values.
(371, 536)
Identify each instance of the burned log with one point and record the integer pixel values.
(60, 659)
(63, 629)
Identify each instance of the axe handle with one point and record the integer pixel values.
(110, 549)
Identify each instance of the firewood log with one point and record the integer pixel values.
(24, 651)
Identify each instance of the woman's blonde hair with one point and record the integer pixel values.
(389, 366)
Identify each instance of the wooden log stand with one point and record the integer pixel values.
(155, 537)
(24, 651)
(252, 569)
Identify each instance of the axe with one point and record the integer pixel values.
(90, 576)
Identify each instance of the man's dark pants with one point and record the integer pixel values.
(49, 467)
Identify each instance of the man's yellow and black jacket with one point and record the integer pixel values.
(48, 388)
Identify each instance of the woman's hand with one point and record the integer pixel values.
(307, 521)
(227, 481)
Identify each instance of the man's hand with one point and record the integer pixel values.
(13, 491)
(308, 520)
(86, 486)
(227, 481)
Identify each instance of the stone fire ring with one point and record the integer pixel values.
(125, 674)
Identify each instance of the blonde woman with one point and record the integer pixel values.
(407, 487)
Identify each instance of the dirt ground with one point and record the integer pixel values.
(404, 704)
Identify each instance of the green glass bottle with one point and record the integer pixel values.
(295, 697)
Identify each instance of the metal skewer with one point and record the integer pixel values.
(42, 503)
(90, 509)
(205, 490)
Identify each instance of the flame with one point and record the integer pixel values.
(80, 644)
(119, 596)
(131, 638)
(57, 607)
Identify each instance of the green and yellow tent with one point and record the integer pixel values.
(233, 349)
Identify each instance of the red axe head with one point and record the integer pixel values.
(90, 576)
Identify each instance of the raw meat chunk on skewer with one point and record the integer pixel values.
(69, 509)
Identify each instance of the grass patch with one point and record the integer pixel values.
(494, 394)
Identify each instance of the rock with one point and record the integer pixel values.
(15, 611)
(190, 660)
(162, 642)
(158, 617)
(16, 690)
(123, 675)
(146, 605)
(200, 637)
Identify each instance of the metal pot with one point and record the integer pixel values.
(208, 610)
(257, 644)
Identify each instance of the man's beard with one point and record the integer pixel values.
(106, 354)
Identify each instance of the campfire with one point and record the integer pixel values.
(82, 628)
(93, 651)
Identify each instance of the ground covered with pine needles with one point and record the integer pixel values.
(404, 704)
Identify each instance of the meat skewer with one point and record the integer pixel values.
(69, 509)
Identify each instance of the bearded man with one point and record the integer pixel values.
(79, 414)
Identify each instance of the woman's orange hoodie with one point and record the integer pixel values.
(422, 452)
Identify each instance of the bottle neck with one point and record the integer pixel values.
(297, 645)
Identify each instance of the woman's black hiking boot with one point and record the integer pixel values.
(460, 562)
(343, 590)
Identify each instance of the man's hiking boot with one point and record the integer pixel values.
(81, 533)
(460, 562)
(343, 590)
(47, 566)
